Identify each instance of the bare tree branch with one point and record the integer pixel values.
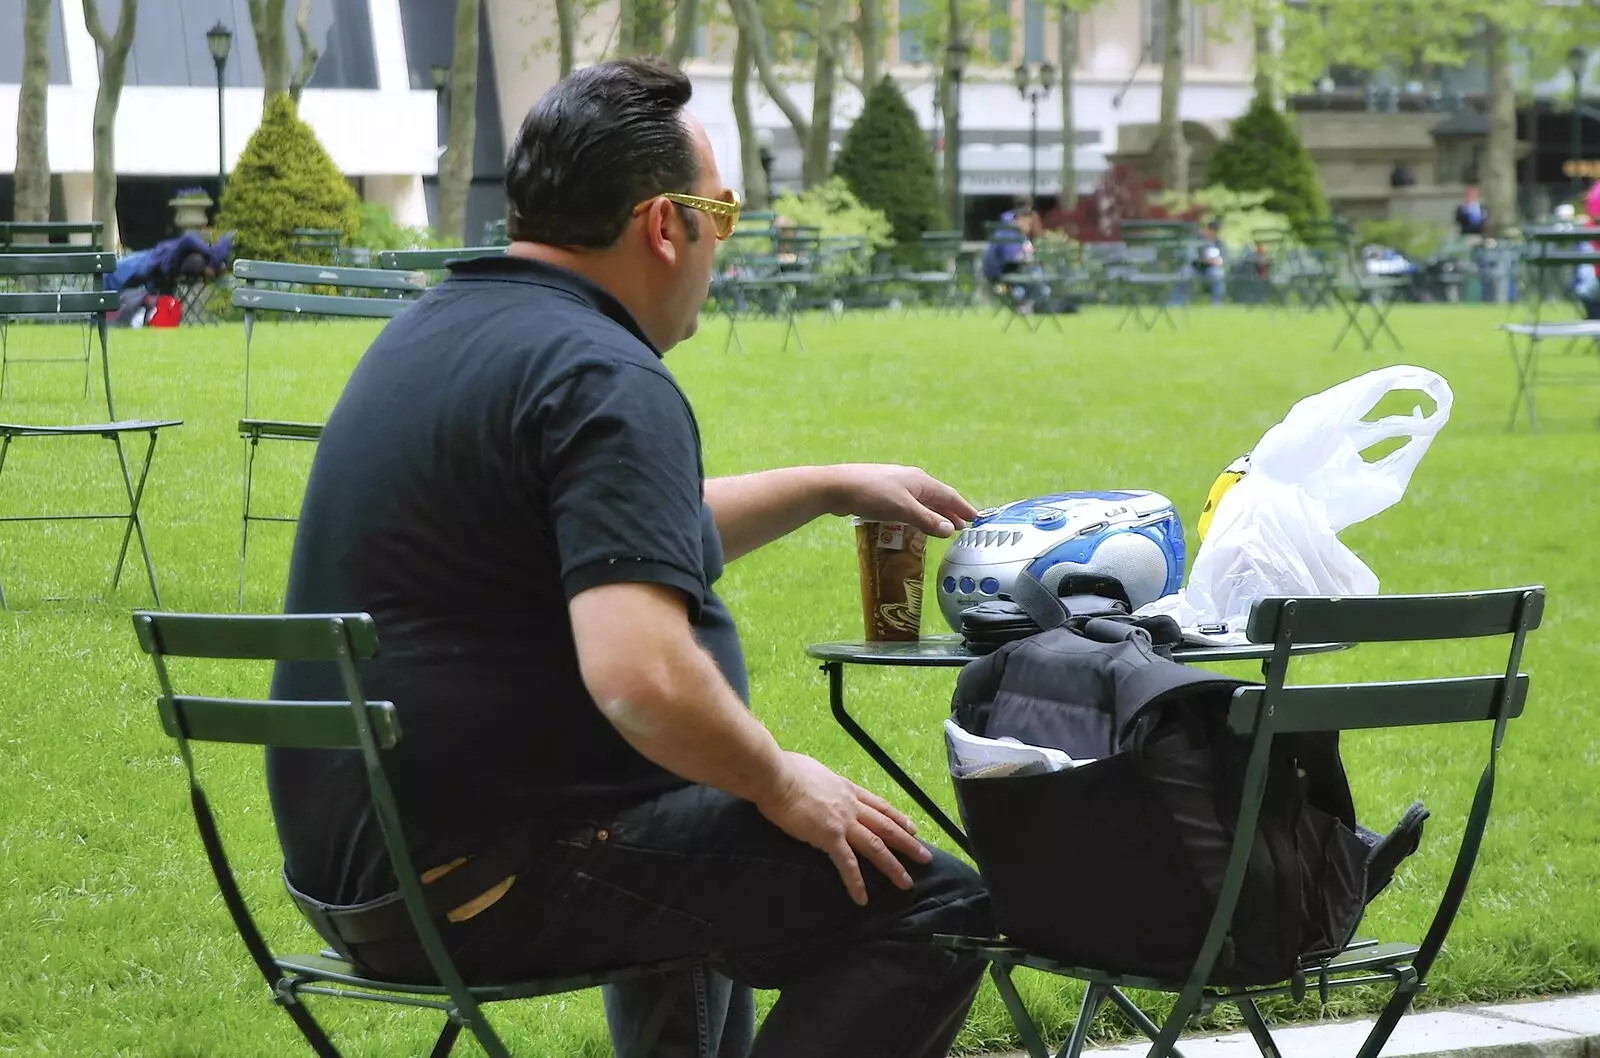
(567, 35)
(687, 15)
(308, 52)
(748, 19)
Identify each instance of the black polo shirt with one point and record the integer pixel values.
(508, 442)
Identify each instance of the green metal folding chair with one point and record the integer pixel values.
(352, 723)
(43, 288)
(297, 289)
(1260, 713)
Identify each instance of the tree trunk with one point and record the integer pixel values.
(32, 188)
(830, 26)
(1172, 150)
(686, 18)
(956, 33)
(308, 52)
(1266, 58)
(748, 18)
(869, 32)
(625, 28)
(1067, 52)
(649, 27)
(113, 53)
(566, 35)
(1500, 157)
(757, 196)
(455, 170)
(266, 19)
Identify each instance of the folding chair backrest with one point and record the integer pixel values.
(29, 236)
(354, 722)
(435, 260)
(1260, 713)
(60, 267)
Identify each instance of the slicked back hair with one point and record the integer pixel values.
(593, 147)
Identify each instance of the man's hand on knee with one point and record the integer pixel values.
(835, 815)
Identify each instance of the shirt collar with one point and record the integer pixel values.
(505, 268)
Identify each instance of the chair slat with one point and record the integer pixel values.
(1404, 703)
(57, 303)
(435, 259)
(329, 276)
(257, 637)
(1397, 618)
(265, 722)
(318, 304)
(279, 430)
(23, 263)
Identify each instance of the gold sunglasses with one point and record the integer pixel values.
(724, 213)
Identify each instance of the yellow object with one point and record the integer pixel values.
(1225, 481)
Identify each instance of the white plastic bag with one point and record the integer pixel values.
(1276, 531)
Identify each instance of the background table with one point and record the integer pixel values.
(948, 651)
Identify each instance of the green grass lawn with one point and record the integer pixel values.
(115, 942)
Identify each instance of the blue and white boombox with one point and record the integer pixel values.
(1132, 537)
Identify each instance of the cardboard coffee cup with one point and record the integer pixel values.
(892, 557)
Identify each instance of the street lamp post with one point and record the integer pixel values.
(1577, 62)
(220, 40)
(956, 59)
(1034, 90)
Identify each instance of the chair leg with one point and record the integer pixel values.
(244, 515)
(1029, 1034)
(1093, 997)
(447, 1039)
(1140, 1019)
(1258, 1028)
(5, 446)
(1404, 993)
(135, 494)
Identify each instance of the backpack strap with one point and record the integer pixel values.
(1038, 602)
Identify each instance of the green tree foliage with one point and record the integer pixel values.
(285, 180)
(1262, 153)
(885, 162)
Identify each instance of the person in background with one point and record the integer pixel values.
(1472, 216)
(1211, 263)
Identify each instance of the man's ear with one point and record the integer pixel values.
(658, 220)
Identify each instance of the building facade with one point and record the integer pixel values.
(372, 101)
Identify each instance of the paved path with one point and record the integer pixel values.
(1555, 1028)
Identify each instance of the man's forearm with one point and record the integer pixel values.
(692, 724)
(755, 509)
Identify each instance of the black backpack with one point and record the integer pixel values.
(1116, 865)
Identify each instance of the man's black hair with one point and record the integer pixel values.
(593, 147)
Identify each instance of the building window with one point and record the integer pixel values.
(911, 49)
(1155, 33)
(1000, 30)
(1033, 30)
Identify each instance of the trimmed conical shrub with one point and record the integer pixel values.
(1262, 153)
(285, 180)
(886, 163)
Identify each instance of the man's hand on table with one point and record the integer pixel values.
(884, 492)
(752, 510)
(833, 814)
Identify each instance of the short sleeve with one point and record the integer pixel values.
(619, 455)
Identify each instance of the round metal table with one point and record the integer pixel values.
(948, 651)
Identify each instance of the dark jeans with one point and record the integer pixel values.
(698, 872)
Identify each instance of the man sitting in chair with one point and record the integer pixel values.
(511, 485)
